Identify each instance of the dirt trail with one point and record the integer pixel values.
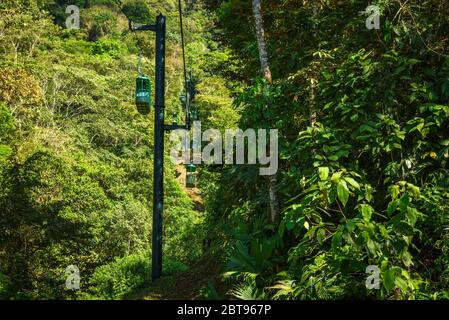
(191, 284)
(193, 193)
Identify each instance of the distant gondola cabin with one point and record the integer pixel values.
(143, 94)
(191, 176)
(194, 114)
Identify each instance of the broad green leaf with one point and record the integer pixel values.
(350, 226)
(388, 278)
(336, 239)
(352, 182)
(412, 215)
(367, 212)
(401, 283)
(413, 61)
(321, 235)
(407, 258)
(336, 177)
(365, 127)
(404, 202)
(342, 192)
(371, 246)
(414, 190)
(383, 231)
(394, 191)
(323, 173)
(419, 127)
(392, 206)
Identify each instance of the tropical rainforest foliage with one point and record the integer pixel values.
(363, 120)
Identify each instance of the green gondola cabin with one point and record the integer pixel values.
(143, 94)
(194, 114)
(191, 176)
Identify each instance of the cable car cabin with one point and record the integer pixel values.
(191, 176)
(194, 114)
(143, 94)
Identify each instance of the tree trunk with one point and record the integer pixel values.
(313, 82)
(263, 56)
(260, 34)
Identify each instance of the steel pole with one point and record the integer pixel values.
(158, 182)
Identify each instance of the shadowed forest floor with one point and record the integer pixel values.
(192, 284)
(195, 283)
(193, 193)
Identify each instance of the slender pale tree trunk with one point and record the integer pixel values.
(263, 56)
(313, 82)
(260, 33)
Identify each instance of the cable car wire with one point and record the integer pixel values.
(182, 45)
(139, 63)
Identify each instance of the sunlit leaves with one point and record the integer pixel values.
(323, 172)
(367, 212)
(343, 192)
